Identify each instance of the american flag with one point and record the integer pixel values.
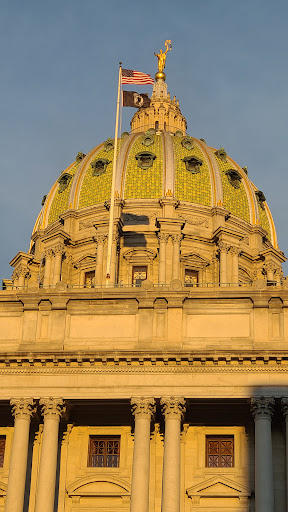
(129, 76)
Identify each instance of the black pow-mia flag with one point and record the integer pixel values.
(133, 99)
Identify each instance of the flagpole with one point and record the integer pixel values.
(112, 200)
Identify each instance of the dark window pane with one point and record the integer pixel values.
(104, 452)
(220, 451)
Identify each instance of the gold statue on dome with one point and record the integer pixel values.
(162, 56)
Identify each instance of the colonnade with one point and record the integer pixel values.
(143, 408)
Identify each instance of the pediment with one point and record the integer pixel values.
(195, 260)
(93, 487)
(140, 254)
(218, 487)
(86, 261)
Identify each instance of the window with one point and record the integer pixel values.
(145, 160)
(89, 279)
(104, 452)
(191, 277)
(220, 451)
(139, 275)
(2, 450)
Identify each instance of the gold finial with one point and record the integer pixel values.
(162, 60)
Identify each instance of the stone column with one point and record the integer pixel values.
(163, 239)
(114, 259)
(235, 251)
(22, 410)
(284, 406)
(173, 409)
(100, 239)
(21, 278)
(58, 252)
(176, 239)
(270, 269)
(52, 409)
(223, 249)
(47, 269)
(143, 409)
(262, 409)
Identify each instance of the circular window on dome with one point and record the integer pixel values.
(145, 160)
(192, 164)
(99, 166)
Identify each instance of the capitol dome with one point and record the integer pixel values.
(168, 186)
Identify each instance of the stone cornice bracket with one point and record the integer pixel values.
(176, 239)
(52, 408)
(23, 408)
(143, 407)
(163, 237)
(173, 406)
(284, 407)
(263, 407)
(223, 247)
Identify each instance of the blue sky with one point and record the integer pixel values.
(59, 65)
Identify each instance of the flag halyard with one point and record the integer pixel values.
(130, 76)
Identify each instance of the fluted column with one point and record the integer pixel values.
(270, 269)
(52, 409)
(22, 410)
(235, 251)
(163, 239)
(176, 239)
(143, 409)
(58, 252)
(173, 409)
(223, 249)
(100, 239)
(47, 268)
(284, 406)
(262, 409)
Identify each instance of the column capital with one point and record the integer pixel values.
(23, 408)
(176, 239)
(143, 407)
(173, 406)
(52, 408)
(262, 407)
(48, 253)
(163, 237)
(235, 250)
(58, 249)
(284, 407)
(99, 239)
(223, 247)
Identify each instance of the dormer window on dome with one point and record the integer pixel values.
(221, 153)
(187, 143)
(145, 160)
(192, 164)
(261, 198)
(64, 181)
(108, 145)
(234, 178)
(99, 166)
(148, 138)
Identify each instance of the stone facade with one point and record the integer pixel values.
(166, 390)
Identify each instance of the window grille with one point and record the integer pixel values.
(220, 451)
(191, 277)
(139, 275)
(89, 279)
(2, 450)
(104, 452)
